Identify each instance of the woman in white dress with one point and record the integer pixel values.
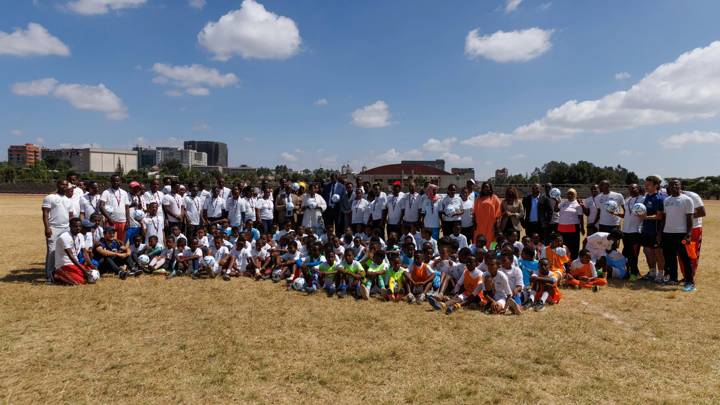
(312, 207)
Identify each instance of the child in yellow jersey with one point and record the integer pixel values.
(375, 273)
(467, 291)
(394, 277)
(350, 275)
(583, 274)
(328, 271)
(418, 279)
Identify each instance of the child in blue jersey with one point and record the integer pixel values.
(528, 266)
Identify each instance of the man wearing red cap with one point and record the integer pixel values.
(394, 209)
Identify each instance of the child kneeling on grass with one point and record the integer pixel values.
(583, 274)
(310, 267)
(469, 290)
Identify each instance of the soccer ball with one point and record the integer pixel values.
(639, 209)
(138, 215)
(298, 284)
(209, 261)
(94, 276)
(290, 206)
(144, 260)
(276, 274)
(312, 204)
(555, 193)
(335, 198)
(295, 187)
(611, 206)
(109, 209)
(561, 251)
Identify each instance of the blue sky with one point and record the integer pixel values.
(320, 83)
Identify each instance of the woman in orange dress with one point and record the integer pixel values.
(487, 212)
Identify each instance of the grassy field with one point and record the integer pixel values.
(152, 340)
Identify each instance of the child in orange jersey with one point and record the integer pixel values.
(418, 279)
(582, 273)
(469, 289)
(557, 256)
(545, 284)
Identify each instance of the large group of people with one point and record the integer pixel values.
(395, 242)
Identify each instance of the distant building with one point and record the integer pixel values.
(501, 175)
(104, 161)
(463, 171)
(23, 155)
(186, 157)
(405, 172)
(437, 163)
(217, 152)
(237, 171)
(147, 157)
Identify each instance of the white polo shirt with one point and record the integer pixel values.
(66, 240)
(214, 207)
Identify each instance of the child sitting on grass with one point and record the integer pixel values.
(394, 279)
(350, 275)
(545, 285)
(514, 276)
(528, 267)
(375, 274)
(500, 292)
(583, 274)
(418, 279)
(328, 271)
(468, 291)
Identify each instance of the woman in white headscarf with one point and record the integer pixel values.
(312, 207)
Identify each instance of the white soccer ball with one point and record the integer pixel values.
(138, 215)
(312, 204)
(144, 260)
(611, 206)
(209, 261)
(276, 274)
(94, 276)
(335, 198)
(555, 193)
(639, 209)
(298, 284)
(295, 186)
(561, 251)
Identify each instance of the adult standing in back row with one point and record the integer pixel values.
(115, 206)
(678, 210)
(56, 220)
(607, 221)
(487, 212)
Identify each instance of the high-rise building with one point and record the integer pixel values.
(217, 152)
(23, 155)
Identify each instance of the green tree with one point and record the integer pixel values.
(171, 167)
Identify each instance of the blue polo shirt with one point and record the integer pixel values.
(654, 203)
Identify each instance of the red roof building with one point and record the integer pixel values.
(406, 172)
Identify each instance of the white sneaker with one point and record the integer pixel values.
(421, 298)
(410, 298)
(364, 292)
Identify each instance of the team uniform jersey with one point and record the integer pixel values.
(66, 240)
(219, 253)
(514, 275)
(420, 273)
(528, 268)
(556, 261)
(653, 203)
(242, 256)
(579, 269)
(501, 286)
(471, 283)
(394, 278)
(154, 226)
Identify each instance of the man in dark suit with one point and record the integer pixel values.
(537, 211)
(333, 214)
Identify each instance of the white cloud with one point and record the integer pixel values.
(33, 41)
(40, 140)
(96, 7)
(251, 32)
(81, 96)
(545, 6)
(685, 89)
(198, 4)
(321, 102)
(288, 157)
(437, 145)
(511, 5)
(201, 127)
(622, 76)
(375, 115)
(40, 87)
(489, 140)
(16, 132)
(511, 46)
(455, 159)
(695, 137)
(193, 79)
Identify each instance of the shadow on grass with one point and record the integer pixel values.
(34, 275)
(643, 285)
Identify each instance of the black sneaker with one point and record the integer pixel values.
(539, 306)
(341, 293)
(122, 274)
(226, 277)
